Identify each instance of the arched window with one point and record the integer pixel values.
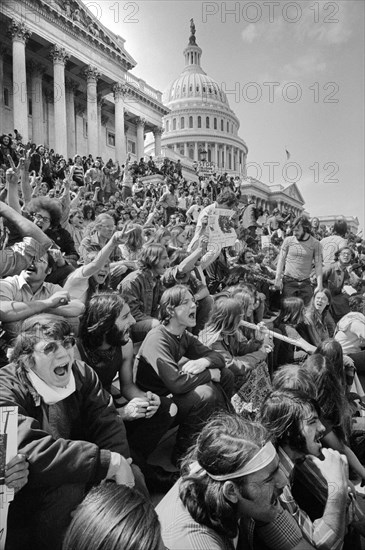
(215, 124)
(227, 126)
(199, 121)
(191, 122)
(182, 122)
(207, 122)
(222, 127)
(191, 153)
(174, 123)
(167, 125)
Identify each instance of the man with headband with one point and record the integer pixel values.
(231, 474)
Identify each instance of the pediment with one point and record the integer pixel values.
(293, 192)
(80, 15)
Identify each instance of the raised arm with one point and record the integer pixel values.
(24, 226)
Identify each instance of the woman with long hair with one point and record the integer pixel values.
(245, 358)
(291, 322)
(320, 324)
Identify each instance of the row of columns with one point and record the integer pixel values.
(64, 104)
(267, 205)
(218, 155)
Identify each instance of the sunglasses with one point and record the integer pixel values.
(51, 347)
(41, 218)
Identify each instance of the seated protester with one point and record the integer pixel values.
(335, 277)
(186, 269)
(27, 294)
(76, 226)
(230, 476)
(319, 322)
(46, 214)
(200, 385)
(68, 428)
(291, 323)
(245, 359)
(99, 234)
(180, 236)
(257, 276)
(15, 258)
(104, 344)
(93, 276)
(350, 333)
(89, 214)
(142, 289)
(317, 378)
(133, 519)
(292, 418)
(342, 364)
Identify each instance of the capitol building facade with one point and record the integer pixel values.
(66, 83)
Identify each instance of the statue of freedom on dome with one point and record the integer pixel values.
(192, 30)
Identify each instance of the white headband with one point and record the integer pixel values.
(261, 459)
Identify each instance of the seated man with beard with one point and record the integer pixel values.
(105, 345)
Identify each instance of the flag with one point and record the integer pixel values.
(287, 154)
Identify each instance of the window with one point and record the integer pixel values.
(131, 147)
(207, 122)
(227, 126)
(6, 97)
(174, 123)
(215, 124)
(191, 122)
(84, 127)
(167, 125)
(110, 138)
(222, 127)
(182, 122)
(191, 154)
(199, 121)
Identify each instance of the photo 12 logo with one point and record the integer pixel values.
(292, 172)
(253, 12)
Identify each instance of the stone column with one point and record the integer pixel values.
(48, 94)
(101, 103)
(196, 156)
(225, 157)
(20, 34)
(92, 74)
(60, 58)
(3, 51)
(158, 134)
(37, 70)
(120, 146)
(71, 87)
(216, 154)
(140, 137)
(185, 149)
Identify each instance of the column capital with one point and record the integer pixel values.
(71, 85)
(141, 122)
(18, 31)
(119, 90)
(36, 69)
(92, 74)
(158, 130)
(59, 54)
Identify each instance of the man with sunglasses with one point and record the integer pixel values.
(68, 429)
(27, 294)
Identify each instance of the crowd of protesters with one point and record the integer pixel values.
(121, 322)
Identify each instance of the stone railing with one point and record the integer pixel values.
(140, 84)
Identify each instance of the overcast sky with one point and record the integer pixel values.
(293, 73)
